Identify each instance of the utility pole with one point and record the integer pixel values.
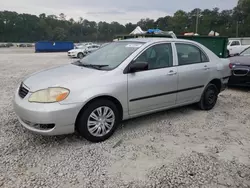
(237, 28)
(4, 29)
(97, 30)
(197, 21)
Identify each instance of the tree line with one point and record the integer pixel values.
(16, 27)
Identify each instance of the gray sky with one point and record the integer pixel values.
(122, 11)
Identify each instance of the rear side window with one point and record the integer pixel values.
(190, 54)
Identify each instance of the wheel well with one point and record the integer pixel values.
(217, 83)
(112, 99)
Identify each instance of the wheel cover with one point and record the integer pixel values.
(80, 55)
(101, 121)
(210, 96)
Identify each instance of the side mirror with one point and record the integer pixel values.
(138, 66)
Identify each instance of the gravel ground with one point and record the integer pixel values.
(183, 147)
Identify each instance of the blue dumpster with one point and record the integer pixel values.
(53, 46)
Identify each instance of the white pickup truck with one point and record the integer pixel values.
(236, 46)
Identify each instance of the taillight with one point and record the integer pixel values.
(230, 65)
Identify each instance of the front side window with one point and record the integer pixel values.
(235, 43)
(111, 55)
(190, 54)
(157, 56)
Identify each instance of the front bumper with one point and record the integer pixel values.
(235, 80)
(72, 54)
(60, 118)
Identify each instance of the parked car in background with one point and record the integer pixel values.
(6, 45)
(21, 45)
(2, 45)
(83, 51)
(240, 65)
(82, 45)
(29, 45)
(235, 47)
(104, 44)
(122, 80)
(9, 45)
(243, 40)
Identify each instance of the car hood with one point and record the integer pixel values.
(240, 60)
(59, 76)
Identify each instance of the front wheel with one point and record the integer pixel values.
(80, 55)
(98, 120)
(209, 97)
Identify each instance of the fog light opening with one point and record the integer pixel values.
(44, 126)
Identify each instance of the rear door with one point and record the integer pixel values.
(193, 72)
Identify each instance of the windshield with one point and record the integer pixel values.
(111, 55)
(80, 47)
(246, 51)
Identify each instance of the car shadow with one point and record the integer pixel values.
(240, 88)
(157, 117)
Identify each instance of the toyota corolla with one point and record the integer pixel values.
(121, 80)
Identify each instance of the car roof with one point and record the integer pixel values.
(155, 39)
(91, 45)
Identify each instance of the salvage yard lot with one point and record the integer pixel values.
(183, 147)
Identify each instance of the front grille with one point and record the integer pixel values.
(240, 72)
(22, 91)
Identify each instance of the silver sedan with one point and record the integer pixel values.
(119, 81)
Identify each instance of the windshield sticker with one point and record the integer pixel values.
(133, 45)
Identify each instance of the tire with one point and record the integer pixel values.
(209, 97)
(80, 55)
(83, 127)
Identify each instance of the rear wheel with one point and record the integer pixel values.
(80, 55)
(209, 97)
(98, 120)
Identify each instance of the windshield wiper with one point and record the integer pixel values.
(92, 65)
(82, 64)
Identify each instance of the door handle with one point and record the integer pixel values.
(172, 72)
(206, 67)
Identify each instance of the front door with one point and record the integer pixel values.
(154, 88)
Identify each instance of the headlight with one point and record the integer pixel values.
(49, 95)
